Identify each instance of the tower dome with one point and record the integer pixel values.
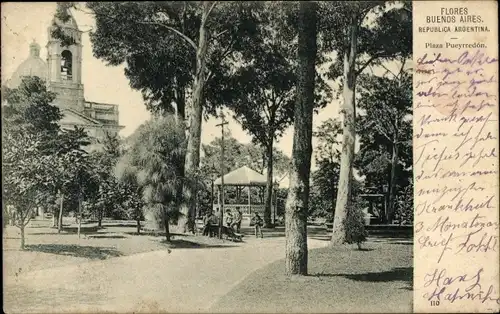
(33, 66)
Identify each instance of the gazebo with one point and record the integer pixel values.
(239, 180)
(374, 196)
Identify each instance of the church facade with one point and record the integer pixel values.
(62, 71)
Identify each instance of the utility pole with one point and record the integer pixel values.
(221, 216)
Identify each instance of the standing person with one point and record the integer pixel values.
(214, 223)
(229, 218)
(206, 222)
(258, 225)
(237, 221)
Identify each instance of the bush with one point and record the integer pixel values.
(355, 225)
(404, 206)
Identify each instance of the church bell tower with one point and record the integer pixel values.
(65, 65)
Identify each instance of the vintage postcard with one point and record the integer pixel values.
(455, 153)
(250, 157)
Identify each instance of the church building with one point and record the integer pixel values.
(62, 71)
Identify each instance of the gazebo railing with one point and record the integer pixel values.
(244, 208)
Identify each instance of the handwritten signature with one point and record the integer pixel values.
(470, 287)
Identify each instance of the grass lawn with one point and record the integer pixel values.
(377, 279)
(45, 248)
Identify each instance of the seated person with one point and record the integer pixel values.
(230, 233)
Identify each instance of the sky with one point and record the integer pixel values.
(24, 22)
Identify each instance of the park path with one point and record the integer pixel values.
(182, 280)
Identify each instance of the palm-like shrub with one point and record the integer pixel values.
(154, 163)
(355, 224)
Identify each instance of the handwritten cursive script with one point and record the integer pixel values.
(455, 159)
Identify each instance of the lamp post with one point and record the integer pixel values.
(385, 189)
(221, 218)
(213, 177)
(275, 192)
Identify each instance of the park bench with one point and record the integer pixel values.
(227, 234)
(235, 237)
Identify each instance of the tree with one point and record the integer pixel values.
(386, 141)
(298, 196)
(263, 93)
(111, 196)
(29, 108)
(25, 171)
(327, 135)
(355, 224)
(358, 46)
(29, 122)
(30, 165)
(43, 160)
(172, 50)
(153, 161)
(238, 155)
(404, 205)
(261, 90)
(73, 174)
(126, 176)
(325, 178)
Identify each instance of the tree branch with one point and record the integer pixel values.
(224, 55)
(211, 8)
(220, 33)
(400, 75)
(381, 130)
(367, 63)
(395, 76)
(27, 221)
(182, 35)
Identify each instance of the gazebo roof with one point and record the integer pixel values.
(243, 176)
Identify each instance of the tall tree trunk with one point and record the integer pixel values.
(181, 116)
(298, 196)
(99, 218)
(21, 227)
(392, 186)
(192, 160)
(166, 222)
(138, 220)
(79, 214)
(60, 217)
(349, 137)
(55, 219)
(333, 196)
(269, 185)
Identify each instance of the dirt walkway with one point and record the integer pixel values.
(182, 280)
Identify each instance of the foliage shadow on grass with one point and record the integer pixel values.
(396, 274)
(321, 237)
(105, 236)
(90, 252)
(119, 225)
(73, 230)
(154, 233)
(364, 249)
(185, 244)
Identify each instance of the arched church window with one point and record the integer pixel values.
(66, 65)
